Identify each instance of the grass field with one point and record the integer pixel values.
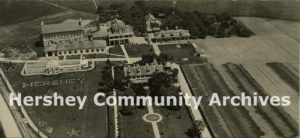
(116, 50)
(134, 126)
(269, 44)
(278, 9)
(185, 51)
(138, 50)
(15, 11)
(89, 122)
(79, 5)
(174, 123)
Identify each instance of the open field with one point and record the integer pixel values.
(231, 79)
(277, 117)
(19, 40)
(179, 54)
(287, 73)
(226, 121)
(134, 126)
(275, 86)
(15, 11)
(278, 9)
(269, 44)
(79, 5)
(174, 123)
(116, 50)
(59, 121)
(138, 50)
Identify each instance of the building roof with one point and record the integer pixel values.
(53, 64)
(118, 26)
(170, 33)
(149, 16)
(36, 65)
(138, 70)
(66, 26)
(77, 45)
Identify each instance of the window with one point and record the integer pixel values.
(92, 50)
(75, 51)
(102, 49)
(81, 51)
(97, 50)
(87, 51)
(70, 52)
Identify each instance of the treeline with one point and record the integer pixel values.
(199, 24)
(2, 135)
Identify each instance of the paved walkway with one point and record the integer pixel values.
(126, 55)
(8, 122)
(154, 124)
(115, 107)
(96, 59)
(186, 90)
(156, 48)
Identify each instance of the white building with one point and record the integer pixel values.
(77, 48)
(54, 67)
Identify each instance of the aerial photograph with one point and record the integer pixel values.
(149, 68)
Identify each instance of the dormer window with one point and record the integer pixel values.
(147, 70)
(139, 71)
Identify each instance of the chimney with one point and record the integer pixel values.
(42, 25)
(80, 22)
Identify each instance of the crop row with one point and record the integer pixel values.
(280, 121)
(286, 74)
(237, 119)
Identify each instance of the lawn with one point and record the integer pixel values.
(73, 57)
(134, 126)
(174, 123)
(89, 122)
(138, 50)
(15, 11)
(185, 51)
(116, 50)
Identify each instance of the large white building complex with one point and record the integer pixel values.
(77, 48)
(54, 67)
(76, 37)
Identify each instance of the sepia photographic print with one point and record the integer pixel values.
(149, 68)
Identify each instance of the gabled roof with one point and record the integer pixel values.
(66, 26)
(77, 45)
(118, 26)
(138, 70)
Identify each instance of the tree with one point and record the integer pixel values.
(157, 81)
(147, 59)
(127, 109)
(197, 129)
(108, 63)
